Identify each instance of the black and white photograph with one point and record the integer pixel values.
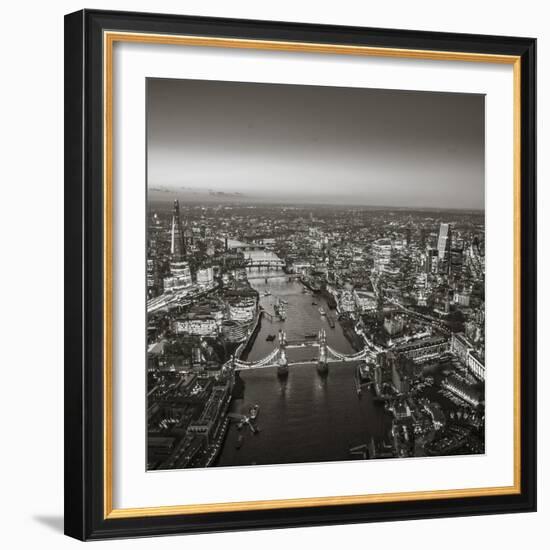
(271, 275)
(315, 274)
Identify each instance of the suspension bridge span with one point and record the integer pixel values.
(325, 355)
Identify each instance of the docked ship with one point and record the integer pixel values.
(312, 285)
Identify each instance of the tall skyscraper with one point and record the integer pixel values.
(408, 232)
(422, 238)
(177, 247)
(180, 274)
(444, 242)
(382, 254)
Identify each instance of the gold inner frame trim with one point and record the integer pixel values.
(109, 39)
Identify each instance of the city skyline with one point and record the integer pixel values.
(315, 274)
(261, 142)
(280, 335)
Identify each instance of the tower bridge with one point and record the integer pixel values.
(278, 357)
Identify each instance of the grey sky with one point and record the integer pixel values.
(286, 143)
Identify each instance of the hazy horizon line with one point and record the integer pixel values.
(324, 205)
(210, 195)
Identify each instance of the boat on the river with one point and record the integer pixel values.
(322, 311)
(239, 442)
(267, 293)
(310, 336)
(270, 338)
(331, 322)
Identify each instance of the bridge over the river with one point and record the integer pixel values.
(268, 262)
(325, 355)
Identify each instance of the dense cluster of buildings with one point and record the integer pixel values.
(409, 284)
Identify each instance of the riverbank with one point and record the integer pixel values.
(243, 354)
(331, 301)
(218, 444)
(348, 327)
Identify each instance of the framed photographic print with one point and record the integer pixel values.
(300, 274)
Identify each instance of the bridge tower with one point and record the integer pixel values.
(282, 368)
(322, 366)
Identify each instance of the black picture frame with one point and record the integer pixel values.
(84, 282)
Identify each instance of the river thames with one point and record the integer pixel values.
(304, 417)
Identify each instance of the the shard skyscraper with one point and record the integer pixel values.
(177, 249)
(180, 273)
